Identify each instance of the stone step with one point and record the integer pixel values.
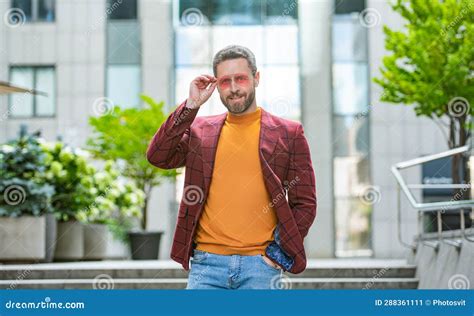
(147, 273)
(180, 283)
(164, 269)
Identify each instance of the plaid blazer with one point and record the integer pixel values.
(185, 139)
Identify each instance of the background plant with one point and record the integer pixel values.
(431, 66)
(23, 189)
(123, 135)
(114, 204)
(71, 175)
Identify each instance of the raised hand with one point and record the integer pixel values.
(200, 90)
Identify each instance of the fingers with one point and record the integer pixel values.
(212, 78)
(213, 86)
(203, 81)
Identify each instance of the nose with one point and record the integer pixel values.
(233, 86)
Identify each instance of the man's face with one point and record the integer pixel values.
(236, 85)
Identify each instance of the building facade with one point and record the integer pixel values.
(317, 59)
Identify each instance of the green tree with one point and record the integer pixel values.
(431, 66)
(123, 135)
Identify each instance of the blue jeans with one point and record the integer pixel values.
(214, 271)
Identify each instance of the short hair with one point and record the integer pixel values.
(234, 52)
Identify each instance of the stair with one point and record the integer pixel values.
(167, 274)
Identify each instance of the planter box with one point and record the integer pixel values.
(99, 244)
(69, 241)
(27, 238)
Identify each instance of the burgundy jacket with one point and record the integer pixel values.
(185, 139)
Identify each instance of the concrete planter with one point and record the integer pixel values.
(145, 245)
(99, 244)
(69, 241)
(27, 238)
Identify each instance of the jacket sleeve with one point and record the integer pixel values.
(169, 146)
(302, 183)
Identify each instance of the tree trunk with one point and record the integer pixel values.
(460, 162)
(458, 137)
(146, 187)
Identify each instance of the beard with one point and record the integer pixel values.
(240, 106)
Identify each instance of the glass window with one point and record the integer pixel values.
(123, 42)
(353, 221)
(194, 12)
(243, 12)
(348, 6)
(45, 83)
(124, 10)
(350, 88)
(26, 8)
(21, 104)
(37, 78)
(193, 45)
(349, 39)
(46, 10)
(281, 90)
(36, 10)
(351, 135)
(124, 84)
(248, 36)
(281, 11)
(278, 36)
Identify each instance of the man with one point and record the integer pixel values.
(249, 196)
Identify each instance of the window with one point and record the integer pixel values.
(268, 28)
(349, 6)
(122, 10)
(123, 69)
(123, 84)
(351, 161)
(36, 10)
(243, 12)
(39, 78)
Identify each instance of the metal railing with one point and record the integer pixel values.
(439, 207)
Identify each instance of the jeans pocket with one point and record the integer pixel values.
(268, 265)
(199, 256)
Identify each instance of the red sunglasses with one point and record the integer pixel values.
(241, 79)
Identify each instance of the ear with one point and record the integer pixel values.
(257, 78)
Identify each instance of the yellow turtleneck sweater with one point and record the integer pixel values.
(237, 217)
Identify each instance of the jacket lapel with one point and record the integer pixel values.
(210, 137)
